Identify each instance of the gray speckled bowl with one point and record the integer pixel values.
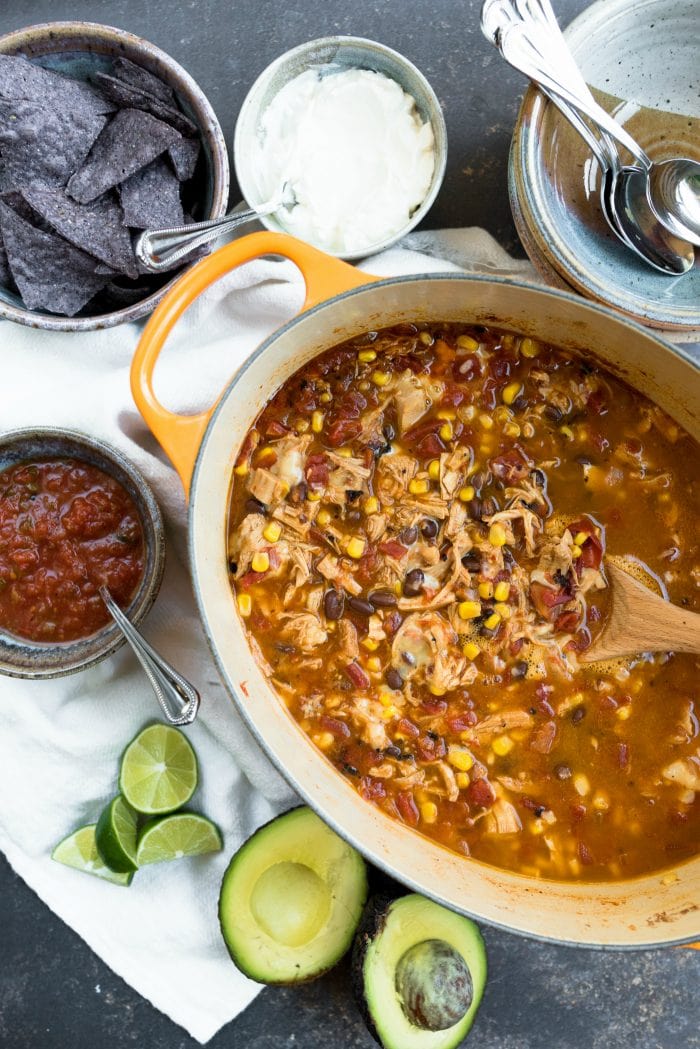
(30, 659)
(81, 49)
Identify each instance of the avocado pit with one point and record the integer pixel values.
(307, 903)
(434, 985)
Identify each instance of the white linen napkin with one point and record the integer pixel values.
(61, 740)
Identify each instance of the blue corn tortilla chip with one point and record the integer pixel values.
(49, 272)
(23, 80)
(128, 96)
(150, 198)
(40, 143)
(129, 141)
(139, 77)
(184, 156)
(95, 228)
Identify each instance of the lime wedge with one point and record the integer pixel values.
(115, 835)
(79, 850)
(159, 771)
(172, 837)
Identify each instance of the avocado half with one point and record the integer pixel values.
(419, 972)
(291, 899)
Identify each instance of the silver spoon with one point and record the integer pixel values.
(625, 206)
(159, 249)
(179, 700)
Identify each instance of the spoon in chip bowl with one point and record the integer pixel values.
(159, 249)
(179, 700)
(641, 621)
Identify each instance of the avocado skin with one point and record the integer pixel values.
(371, 925)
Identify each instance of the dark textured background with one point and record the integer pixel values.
(54, 992)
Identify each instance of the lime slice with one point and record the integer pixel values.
(172, 837)
(115, 835)
(159, 771)
(79, 850)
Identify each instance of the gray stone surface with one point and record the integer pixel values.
(54, 992)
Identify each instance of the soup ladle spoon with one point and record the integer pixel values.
(641, 621)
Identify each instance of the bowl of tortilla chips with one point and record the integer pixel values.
(102, 135)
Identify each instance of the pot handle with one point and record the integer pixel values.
(181, 435)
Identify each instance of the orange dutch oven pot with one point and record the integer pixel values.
(655, 910)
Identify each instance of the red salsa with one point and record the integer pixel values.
(66, 528)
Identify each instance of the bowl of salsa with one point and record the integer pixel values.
(75, 515)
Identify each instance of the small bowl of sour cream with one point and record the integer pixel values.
(356, 132)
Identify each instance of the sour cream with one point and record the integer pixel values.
(355, 151)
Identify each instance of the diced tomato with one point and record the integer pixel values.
(372, 789)
(341, 430)
(578, 813)
(453, 396)
(623, 755)
(545, 599)
(393, 549)
(596, 403)
(407, 728)
(407, 807)
(599, 442)
(481, 793)
(317, 471)
(568, 621)
(465, 368)
(462, 722)
(512, 467)
(488, 394)
(584, 854)
(276, 429)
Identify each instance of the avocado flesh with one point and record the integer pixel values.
(291, 899)
(395, 928)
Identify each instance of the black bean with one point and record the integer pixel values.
(520, 403)
(553, 413)
(518, 670)
(389, 432)
(282, 646)
(353, 494)
(429, 528)
(489, 507)
(382, 598)
(578, 715)
(408, 536)
(539, 811)
(359, 605)
(562, 772)
(392, 751)
(333, 604)
(481, 479)
(350, 769)
(474, 508)
(584, 460)
(472, 561)
(540, 478)
(298, 493)
(233, 567)
(254, 506)
(413, 583)
(408, 658)
(393, 678)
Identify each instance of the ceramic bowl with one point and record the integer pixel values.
(354, 53)
(81, 49)
(642, 54)
(29, 659)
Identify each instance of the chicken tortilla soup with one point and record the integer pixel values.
(420, 521)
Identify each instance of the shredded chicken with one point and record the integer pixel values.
(411, 399)
(304, 630)
(426, 645)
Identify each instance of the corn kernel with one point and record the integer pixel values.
(367, 356)
(501, 590)
(511, 429)
(465, 342)
(467, 413)
(389, 712)
(460, 758)
(504, 611)
(502, 414)
(317, 421)
(380, 378)
(497, 535)
(492, 622)
(324, 740)
(486, 590)
(245, 604)
(580, 538)
(502, 745)
(467, 493)
(529, 348)
(241, 470)
(469, 609)
(429, 811)
(567, 432)
(511, 391)
(623, 712)
(446, 413)
(486, 421)
(471, 650)
(426, 338)
(370, 505)
(576, 551)
(438, 690)
(326, 397)
(446, 432)
(374, 664)
(313, 496)
(261, 561)
(386, 699)
(419, 486)
(323, 518)
(301, 425)
(364, 386)
(600, 802)
(272, 532)
(355, 548)
(345, 453)
(284, 489)
(370, 644)
(582, 785)
(266, 456)
(463, 780)
(434, 470)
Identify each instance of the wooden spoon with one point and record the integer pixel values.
(641, 621)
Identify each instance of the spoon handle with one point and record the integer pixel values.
(159, 249)
(179, 700)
